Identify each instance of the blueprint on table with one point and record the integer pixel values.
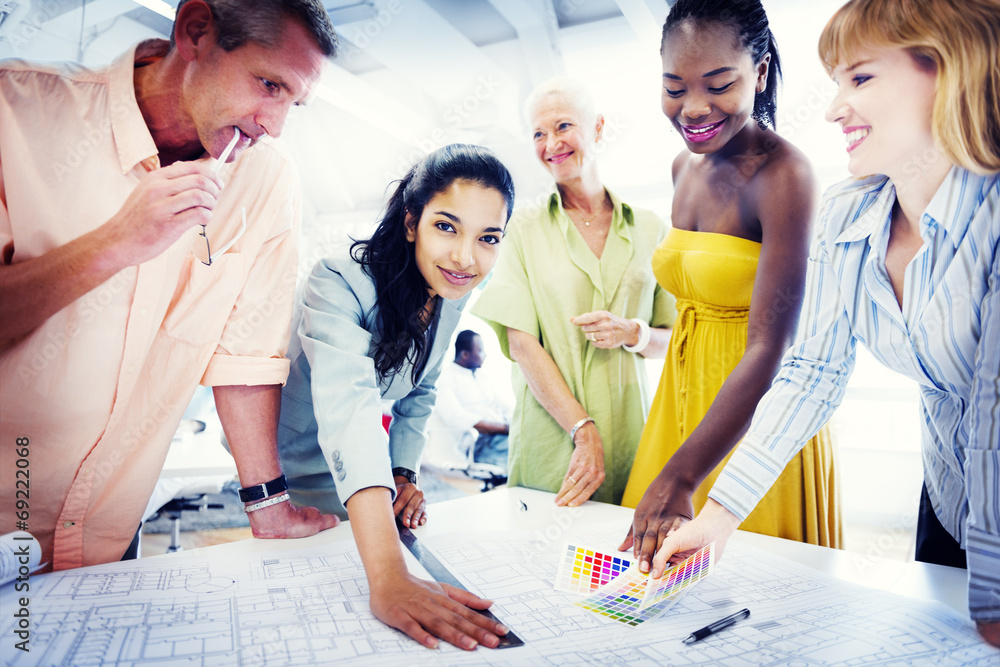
(310, 606)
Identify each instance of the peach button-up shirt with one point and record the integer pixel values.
(98, 390)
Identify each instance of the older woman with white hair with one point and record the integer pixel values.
(575, 305)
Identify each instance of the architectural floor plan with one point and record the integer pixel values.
(310, 607)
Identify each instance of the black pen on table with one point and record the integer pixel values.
(712, 628)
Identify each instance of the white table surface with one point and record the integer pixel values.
(501, 510)
(198, 455)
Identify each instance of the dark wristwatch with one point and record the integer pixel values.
(261, 491)
(410, 476)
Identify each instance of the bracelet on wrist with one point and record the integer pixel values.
(577, 426)
(644, 337)
(260, 491)
(266, 503)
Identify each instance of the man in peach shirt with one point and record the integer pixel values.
(113, 305)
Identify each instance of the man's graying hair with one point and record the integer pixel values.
(240, 22)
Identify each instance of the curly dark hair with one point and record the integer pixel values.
(750, 21)
(389, 259)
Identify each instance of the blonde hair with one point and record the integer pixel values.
(961, 38)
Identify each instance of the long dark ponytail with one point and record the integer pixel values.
(388, 258)
(750, 21)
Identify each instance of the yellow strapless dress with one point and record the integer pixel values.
(712, 276)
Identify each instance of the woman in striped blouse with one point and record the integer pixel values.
(906, 261)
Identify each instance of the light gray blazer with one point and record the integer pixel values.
(330, 437)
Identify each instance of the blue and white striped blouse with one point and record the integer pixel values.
(946, 336)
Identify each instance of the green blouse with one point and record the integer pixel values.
(546, 274)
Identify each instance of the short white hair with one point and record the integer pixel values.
(570, 90)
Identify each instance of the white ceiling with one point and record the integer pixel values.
(417, 74)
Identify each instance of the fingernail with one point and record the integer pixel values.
(469, 643)
(432, 643)
(644, 566)
(492, 642)
(502, 629)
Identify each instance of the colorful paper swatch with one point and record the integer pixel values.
(620, 599)
(585, 570)
(675, 580)
(624, 598)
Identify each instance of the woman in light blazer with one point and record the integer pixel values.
(375, 323)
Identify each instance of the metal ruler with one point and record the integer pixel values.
(443, 575)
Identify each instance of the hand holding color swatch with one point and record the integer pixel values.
(631, 597)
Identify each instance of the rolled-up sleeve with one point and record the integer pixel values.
(803, 396)
(345, 393)
(982, 465)
(253, 345)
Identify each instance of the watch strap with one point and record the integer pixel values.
(251, 493)
(410, 476)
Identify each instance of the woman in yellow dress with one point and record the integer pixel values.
(744, 199)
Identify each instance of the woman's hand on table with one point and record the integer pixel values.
(428, 611)
(288, 520)
(607, 331)
(663, 509)
(409, 505)
(586, 468)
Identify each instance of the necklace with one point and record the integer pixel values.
(587, 221)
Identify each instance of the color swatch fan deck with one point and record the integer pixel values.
(585, 570)
(619, 591)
